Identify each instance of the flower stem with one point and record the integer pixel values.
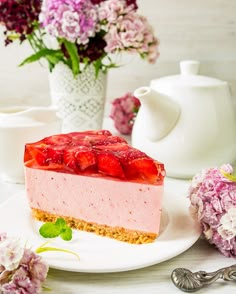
(42, 248)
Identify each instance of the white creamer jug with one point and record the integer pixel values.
(18, 126)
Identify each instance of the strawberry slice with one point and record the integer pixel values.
(130, 154)
(85, 158)
(113, 147)
(60, 139)
(104, 132)
(86, 140)
(91, 133)
(55, 154)
(110, 165)
(36, 154)
(110, 140)
(141, 169)
(160, 170)
(69, 158)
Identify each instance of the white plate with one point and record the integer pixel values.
(101, 254)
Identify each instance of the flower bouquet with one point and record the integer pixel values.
(80, 40)
(78, 32)
(213, 202)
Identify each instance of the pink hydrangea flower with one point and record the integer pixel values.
(21, 270)
(109, 11)
(79, 31)
(123, 112)
(11, 252)
(127, 30)
(73, 20)
(213, 203)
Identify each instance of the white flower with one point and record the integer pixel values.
(70, 25)
(11, 253)
(208, 233)
(198, 178)
(197, 205)
(227, 168)
(227, 228)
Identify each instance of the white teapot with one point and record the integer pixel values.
(19, 126)
(186, 121)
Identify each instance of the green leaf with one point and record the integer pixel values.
(60, 223)
(49, 230)
(230, 177)
(46, 289)
(59, 228)
(97, 66)
(73, 53)
(66, 234)
(52, 56)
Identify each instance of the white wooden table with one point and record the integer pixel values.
(153, 279)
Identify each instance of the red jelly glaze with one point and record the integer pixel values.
(93, 152)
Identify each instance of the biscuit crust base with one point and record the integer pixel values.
(118, 233)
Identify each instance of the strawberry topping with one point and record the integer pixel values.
(69, 158)
(93, 152)
(61, 139)
(110, 165)
(86, 158)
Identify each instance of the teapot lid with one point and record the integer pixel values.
(188, 76)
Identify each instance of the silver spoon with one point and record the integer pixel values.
(188, 281)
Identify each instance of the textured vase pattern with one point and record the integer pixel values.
(80, 100)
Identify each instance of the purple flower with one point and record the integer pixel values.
(128, 31)
(213, 202)
(93, 50)
(73, 20)
(19, 16)
(11, 252)
(123, 112)
(81, 31)
(21, 282)
(21, 270)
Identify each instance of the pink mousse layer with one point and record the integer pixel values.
(133, 206)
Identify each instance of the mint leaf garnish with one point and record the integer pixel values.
(61, 223)
(59, 228)
(66, 234)
(49, 230)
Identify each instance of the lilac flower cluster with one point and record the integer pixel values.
(213, 202)
(83, 31)
(123, 112)
(127, 30)
(21, 270)
(80, 20)
(70, 19)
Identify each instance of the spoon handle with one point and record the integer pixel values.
(188, 281)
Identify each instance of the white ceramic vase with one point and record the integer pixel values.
(80, 100)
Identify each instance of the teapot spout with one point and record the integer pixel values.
(159, 113)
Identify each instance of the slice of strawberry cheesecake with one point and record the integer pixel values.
(97, 182)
